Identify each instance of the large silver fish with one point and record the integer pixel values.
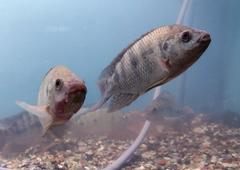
(61, 95)
(152, 60)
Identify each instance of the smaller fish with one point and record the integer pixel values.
(61, 95)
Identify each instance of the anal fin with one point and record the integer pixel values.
(121, 100)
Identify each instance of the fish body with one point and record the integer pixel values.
(61, 95)
(152, 60)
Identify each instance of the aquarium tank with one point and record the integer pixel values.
(59, 58)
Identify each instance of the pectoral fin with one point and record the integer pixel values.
(158, 83)
(41, 112)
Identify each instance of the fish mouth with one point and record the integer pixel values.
(204, 39)
(71, 101)
(77, 87)
(75, 97)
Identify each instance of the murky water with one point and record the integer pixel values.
(195, 122)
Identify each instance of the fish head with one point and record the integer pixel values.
(66, 96)
(181, 47)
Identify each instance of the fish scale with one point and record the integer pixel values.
(137, 74)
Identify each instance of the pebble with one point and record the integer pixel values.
(176, 150)
(162, 162)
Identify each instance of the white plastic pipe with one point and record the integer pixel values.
(117, 164)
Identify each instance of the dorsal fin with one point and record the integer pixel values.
(48, 72)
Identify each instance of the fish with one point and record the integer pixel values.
(61, 95)
(153, 59)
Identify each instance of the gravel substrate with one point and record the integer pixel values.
(204, 146)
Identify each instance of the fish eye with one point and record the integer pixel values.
(186, 36)
(58, 84)
(164, 57)
(165, 46)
